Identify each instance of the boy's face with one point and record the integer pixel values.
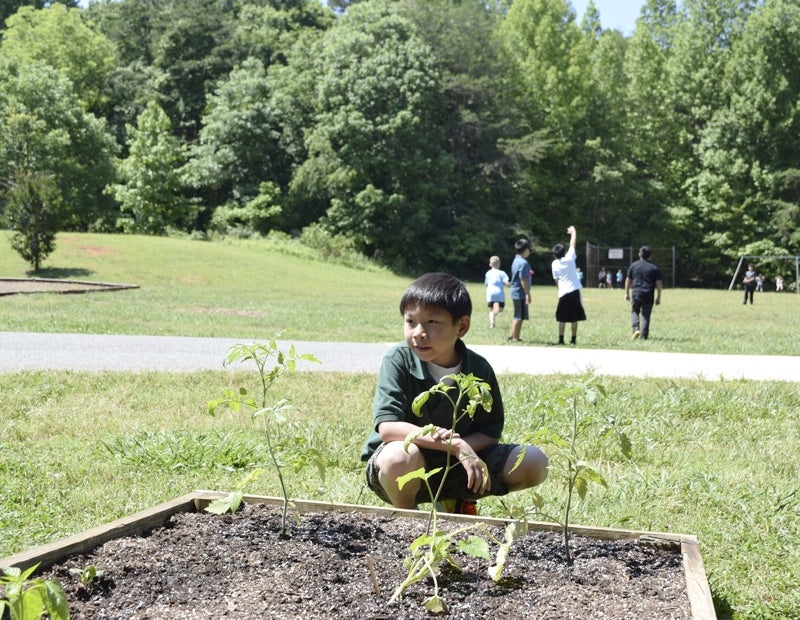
(431, 334)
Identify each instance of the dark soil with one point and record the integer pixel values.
(237, 566)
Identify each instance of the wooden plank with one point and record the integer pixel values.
(131, 525)
(696, 581)
(203, 498)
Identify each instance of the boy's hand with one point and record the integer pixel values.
(444, 434)
(478, 480)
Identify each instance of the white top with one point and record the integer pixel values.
(440, 372)
(565, 273)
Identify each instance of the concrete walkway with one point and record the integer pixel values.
(91, 352)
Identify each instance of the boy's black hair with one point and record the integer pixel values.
(558, 250)
(645, 251)
(521, 245)
(439, 290)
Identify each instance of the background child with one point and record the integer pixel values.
(521, 275)
(436, 311)
(570, 307)
(494, 281)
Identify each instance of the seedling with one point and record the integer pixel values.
(580, 397)
(28, 598)
(87, 575)
(264, 414)
(434, 547)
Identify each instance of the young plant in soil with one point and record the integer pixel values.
(579, 398)
(434, 547)
(29, 598)
(264, 414)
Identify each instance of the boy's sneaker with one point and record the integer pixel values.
(467, 507)
(459, 506)
(636, 334)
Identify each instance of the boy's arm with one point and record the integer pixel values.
(573, 236)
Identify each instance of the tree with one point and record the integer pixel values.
(33, 212)
(552, 91)
(746, 193)
(45, 129)
(252, 128)
(651, 126)
(473, 218)
(9, 7)
(191, 51)
(150, 194)
(376, 155)
(59, 37)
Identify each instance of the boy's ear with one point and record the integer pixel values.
(463, 326)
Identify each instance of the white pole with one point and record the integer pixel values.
(735, 275)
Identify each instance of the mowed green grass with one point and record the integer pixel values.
(257, 289)
(718, 459)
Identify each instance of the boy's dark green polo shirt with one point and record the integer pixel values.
(403, 376)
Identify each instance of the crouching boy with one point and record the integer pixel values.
(436, 311)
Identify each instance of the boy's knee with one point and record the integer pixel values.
(394, 457)
(531, 472)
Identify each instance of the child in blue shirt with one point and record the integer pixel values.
(494, 281)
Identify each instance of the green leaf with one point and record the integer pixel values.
(625, 445)
(229, 503)
(436, 605)
(55, 600)
(474, 546)
(419, 403)
(418, 432)
(414, 475)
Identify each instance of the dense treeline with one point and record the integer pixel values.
(428, 134)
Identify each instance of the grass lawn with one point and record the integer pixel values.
(251, 290)
(718, 459)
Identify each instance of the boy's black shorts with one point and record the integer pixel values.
(455, 486)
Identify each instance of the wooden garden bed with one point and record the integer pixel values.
(144, 522)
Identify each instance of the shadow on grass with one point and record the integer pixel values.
(60, 273)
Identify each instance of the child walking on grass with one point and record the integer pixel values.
(494, 281)
(436, 310)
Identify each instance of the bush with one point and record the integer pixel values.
(33, 212)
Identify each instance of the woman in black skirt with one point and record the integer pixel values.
(570, 306)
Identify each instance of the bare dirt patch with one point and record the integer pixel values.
(95, 251)
(237, 566)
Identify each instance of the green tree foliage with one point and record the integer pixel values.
(551, 84)
(747, 191)
(375, 152)
(150, 194)
(253, 124)
(269, 30)
(44, 128)
(473, 115)
(59, 37)
(191, 51)
(33, 212)
(451, 125)
(9, 7)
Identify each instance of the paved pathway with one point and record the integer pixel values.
(90, 352)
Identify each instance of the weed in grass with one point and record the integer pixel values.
(238, 400)
(185, 449)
